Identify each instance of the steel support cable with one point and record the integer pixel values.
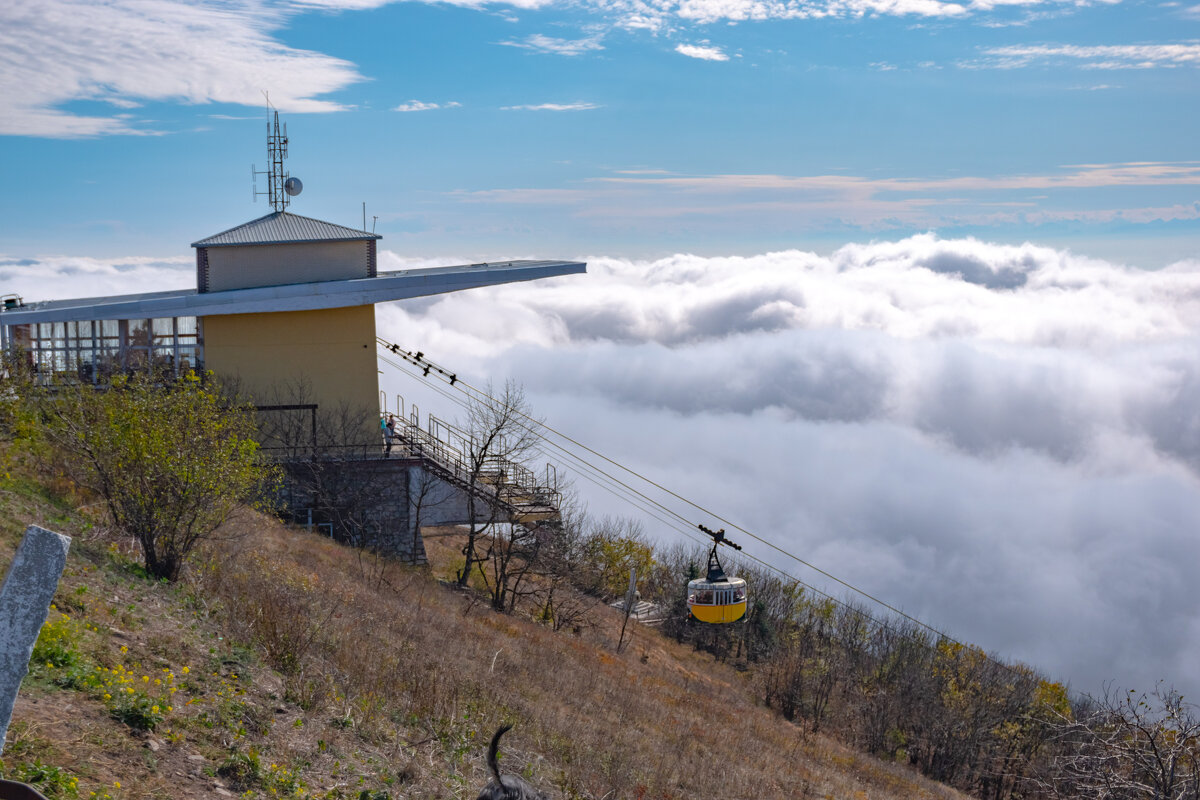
(682, 525)
(533, 425)
(418, 360)
(686, 529)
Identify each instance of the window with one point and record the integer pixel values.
(94, 350)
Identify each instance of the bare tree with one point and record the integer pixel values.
(500, 438)
(564, 558)
(1128, 745)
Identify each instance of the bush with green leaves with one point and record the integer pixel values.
(171, 459)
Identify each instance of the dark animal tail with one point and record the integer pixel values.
(492, 748)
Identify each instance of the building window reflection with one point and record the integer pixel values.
(93, 351)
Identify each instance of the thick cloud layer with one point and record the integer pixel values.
(1003, 441)
(1000, 440)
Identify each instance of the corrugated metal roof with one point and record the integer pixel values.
(280, 227)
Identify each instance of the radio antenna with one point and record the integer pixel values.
(281, 186)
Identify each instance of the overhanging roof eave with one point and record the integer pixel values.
(386, 287)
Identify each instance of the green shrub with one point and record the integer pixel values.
(57, 644)
(54, 782)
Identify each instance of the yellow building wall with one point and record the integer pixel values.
(331, 353)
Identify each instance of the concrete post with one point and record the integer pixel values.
(24, 605)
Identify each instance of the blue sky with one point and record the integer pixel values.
(623, 127)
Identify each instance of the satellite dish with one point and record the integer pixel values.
(293, 186)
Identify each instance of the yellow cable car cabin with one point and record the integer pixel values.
(717, 598)
(717, 601)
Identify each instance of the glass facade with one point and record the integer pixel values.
(94, 350)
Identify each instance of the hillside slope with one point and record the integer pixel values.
(285, 665)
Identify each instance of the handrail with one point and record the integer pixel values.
(446, 446)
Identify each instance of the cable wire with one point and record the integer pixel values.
(534, 425)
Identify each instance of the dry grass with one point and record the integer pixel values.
(418, 661)
(355, 674)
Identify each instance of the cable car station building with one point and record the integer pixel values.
(280, 301)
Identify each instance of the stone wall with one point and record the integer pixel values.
(375, 503)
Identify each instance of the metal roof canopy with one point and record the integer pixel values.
(281, 227)
(385, 287)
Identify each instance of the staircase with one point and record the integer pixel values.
(516, 491)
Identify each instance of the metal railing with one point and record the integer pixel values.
(452, 452)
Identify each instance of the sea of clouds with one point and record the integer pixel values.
(1003, 441)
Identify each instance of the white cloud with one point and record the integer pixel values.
(58, 277)
(705, 52)
(553, 107)
(1139, 56)
(132, 51)
(563, 47)
(417, 105)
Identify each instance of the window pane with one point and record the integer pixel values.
(85, 366)
(164, 360)
(164, 330)
(187, 359)
(109, 328)
(139, 333)
(186, 326)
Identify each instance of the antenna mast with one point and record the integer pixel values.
(281, 186)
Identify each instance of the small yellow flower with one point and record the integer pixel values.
(186, 670)
(145, 679)
(124, 649)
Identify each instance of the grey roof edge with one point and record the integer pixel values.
(344, 233)
(386, 287)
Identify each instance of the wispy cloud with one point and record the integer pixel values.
(562, 47)
(127, 52)
(705, 52)
(1133, 56)
(417, 105)
(1142, 173)
(766, 202)
(553, 107)
(707, 11)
